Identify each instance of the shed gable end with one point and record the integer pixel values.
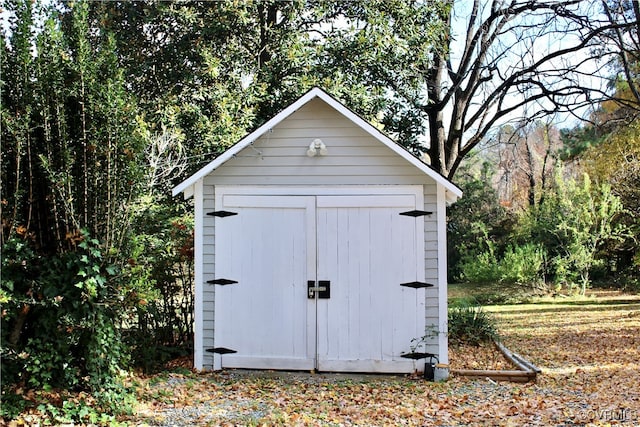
(356, 172)
(353, 156)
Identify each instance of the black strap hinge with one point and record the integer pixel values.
(221, 282)
(417, 285)
(418, 356)
(416, 213)
(222, 214)
(221, 350)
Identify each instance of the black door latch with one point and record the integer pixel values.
(323, 289)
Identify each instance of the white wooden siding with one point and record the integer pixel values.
(300, 105)
(433, 321)
(278, 158)
(208, 291)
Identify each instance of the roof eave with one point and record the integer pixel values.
(453, 192)
(244, 142)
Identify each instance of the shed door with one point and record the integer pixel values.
(268, 248)
(277, 245)
(366, 249)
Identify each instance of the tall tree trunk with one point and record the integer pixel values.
(268, 13)
(531, 175)
(435, 117)
(85, 156)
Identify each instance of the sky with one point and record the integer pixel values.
(549, 40)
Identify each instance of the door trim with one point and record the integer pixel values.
(225, 195)
(323, 190)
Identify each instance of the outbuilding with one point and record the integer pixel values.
(320, 244)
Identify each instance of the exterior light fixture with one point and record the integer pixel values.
(317, 147)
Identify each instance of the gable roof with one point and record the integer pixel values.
(452, 191)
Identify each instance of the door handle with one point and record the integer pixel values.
(323, 289)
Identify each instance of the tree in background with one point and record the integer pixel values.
(71, 158)
(72, 168)
(583, 223)
(477, 222)
(202, 69)
(574, 223)
(561, 240)
(616, 162)
(490, 68)
(620, 46)
(218, 69)
(607, 147)
(480, 244)
(439, 76)
(524, 157)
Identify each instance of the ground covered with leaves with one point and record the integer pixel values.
(589, 352)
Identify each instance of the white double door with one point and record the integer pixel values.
(318, 281)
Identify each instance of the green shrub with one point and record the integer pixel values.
(161, 264)
(470, 324)
(58, 331)
(520, 264)
(12, 405)
(480, 268)
(578, 224)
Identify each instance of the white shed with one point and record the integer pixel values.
(319, 244)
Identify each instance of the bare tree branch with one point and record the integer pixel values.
(533, 58)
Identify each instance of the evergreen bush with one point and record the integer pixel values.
(520, 264)
(58, 323)
(470, 324)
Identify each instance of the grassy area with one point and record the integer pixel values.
(601, 320)
(496, 294)
(489, 294)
